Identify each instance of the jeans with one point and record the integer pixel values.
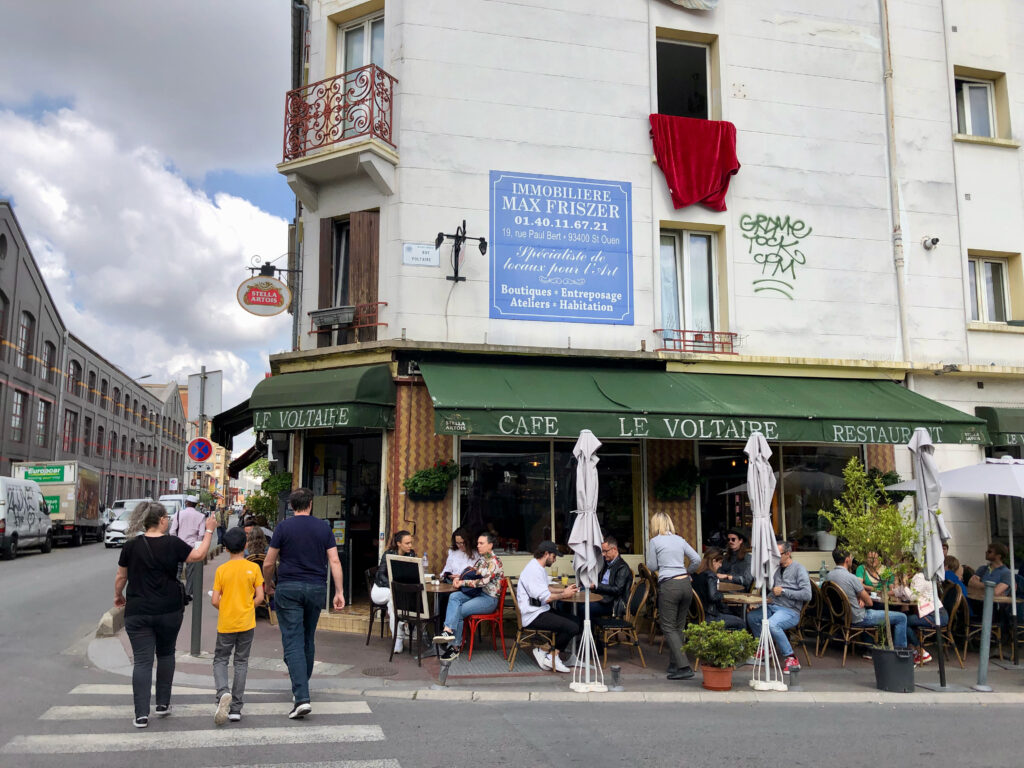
(241, 643)
(564, 627)
(461, 605)
(674, 598)
(913, 621)
(780, 619)
(875, 618)
(298, 610)
(149, 635)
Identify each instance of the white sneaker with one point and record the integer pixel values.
(223, 705)
(559, 666)
(399, 644)
(543, 659)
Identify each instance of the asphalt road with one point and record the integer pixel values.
(53, 714)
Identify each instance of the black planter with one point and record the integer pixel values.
(894, 669)
(437, 496)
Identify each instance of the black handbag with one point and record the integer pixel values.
(467, 575)
(186, 598)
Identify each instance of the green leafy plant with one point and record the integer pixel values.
(716, 646)
(677, 483)
(266, 501)
(865, 519)
(888, 478)
(432, 481)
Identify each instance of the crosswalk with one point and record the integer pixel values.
(101, 727)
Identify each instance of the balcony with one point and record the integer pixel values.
(713, 342)
(338, 128)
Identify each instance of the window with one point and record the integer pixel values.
(92, 386)
(26, 337)
(987, 287)
(42, 423)
(361, 43)
(100, 434)
(86, 436)
(70, 432)
(104, 398)
(683, 79)
(4, 307)
(124, 448)
(133, 456)
(975, 107)
(688, 280)
(17, 416)
(115, 401)
(143, 415)
(49, 358)
(135, 411)
(75, 378)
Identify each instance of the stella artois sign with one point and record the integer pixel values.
(264, 296)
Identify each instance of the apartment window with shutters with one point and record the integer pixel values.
(43, 423)
(70, 432)
(988, 289)
(26, 337)
(18, 399)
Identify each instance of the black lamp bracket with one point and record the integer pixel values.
(458, 239)
(267, 269)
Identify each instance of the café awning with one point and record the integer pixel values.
(226, 424)
(550, 401)
(1005, 425)
(358, 397)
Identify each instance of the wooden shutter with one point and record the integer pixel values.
(363, 266)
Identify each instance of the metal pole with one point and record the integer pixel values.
(986, 639)
(938, 633)
(197, 571)
(1005, 501)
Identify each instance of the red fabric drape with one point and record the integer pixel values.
(698, 158)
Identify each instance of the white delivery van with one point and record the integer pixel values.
(24, 520)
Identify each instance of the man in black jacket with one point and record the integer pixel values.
(613, 584)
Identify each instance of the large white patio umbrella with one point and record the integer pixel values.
(764, 555)
(932, 530)
(585, 542)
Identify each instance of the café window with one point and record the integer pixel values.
(524, 492)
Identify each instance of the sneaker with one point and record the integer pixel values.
(399, 644)
(791, 664)
(141, 722)
(922, 657)
(450, 654)
(223, 705)
(234, 717)
(543, 659)
(299, 711)
(444, 638)
(559, 666)
(163, 710)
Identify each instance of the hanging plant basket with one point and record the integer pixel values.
(431, 484)
(435, 496)
(677, 483)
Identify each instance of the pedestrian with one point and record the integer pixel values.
(667, 554)
(188, 525)
(222, 525)
(305, 547)
(237, 590)
(154, 604)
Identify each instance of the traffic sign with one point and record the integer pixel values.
(172, 484)
(199, 449)
(198, 466)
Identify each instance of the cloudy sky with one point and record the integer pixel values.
(137, 145)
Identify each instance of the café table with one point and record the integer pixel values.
(728, 586)
(580, 598)
(979, 595)
(740, 598)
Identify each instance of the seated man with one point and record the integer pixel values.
(613, 584)
(863, 615)
(534, 604)
(791, 589)
(993, 570)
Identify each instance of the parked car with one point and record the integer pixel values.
(116, 532)
(24, 518)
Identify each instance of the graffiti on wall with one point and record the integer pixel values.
(774, 243)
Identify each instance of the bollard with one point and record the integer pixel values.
(986, 640)
(442, 676)
(197, 608)
(794, 680)
(616, 681)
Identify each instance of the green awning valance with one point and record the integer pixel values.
(1005, 425)
(339, 397)
(548, 401)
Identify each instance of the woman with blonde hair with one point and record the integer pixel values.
(667, 554)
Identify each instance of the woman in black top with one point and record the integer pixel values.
(380, 592)
(705, 584)
(154, 606)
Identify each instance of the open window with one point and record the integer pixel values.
(982, 104)
(687, 74)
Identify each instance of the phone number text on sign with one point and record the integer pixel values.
(561, 249)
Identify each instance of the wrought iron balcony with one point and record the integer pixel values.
(715, 342)
(352, 105)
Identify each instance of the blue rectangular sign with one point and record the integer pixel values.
(561, 249)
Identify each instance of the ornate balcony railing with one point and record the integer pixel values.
(716, 342)
(354, 104)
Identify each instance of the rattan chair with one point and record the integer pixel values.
(624, 631)
(840, 622)
(376, 609)
(955, 603)
(651, 609)
(796, 634)
(527, 637)
(812, 618)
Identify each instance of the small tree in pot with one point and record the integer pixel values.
(719, 651)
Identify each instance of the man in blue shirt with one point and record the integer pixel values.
(305, 546)
(993, 570)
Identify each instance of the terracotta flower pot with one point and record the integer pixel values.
(717, 678)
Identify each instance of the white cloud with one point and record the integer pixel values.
(142, 267)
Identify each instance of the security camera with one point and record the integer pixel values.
(929, 242)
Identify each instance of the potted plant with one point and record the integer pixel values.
(677, 483)
(826, 540)
(719, 651)
(867, 520)
(431, 484)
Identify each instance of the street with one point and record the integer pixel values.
(60, 710)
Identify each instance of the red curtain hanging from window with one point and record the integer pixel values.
(698, 158)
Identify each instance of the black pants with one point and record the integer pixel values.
(151, 635)
(564, 627)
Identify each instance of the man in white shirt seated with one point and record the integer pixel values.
(535, 606)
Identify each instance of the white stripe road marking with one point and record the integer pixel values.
(99, 712)
(269, 665)
(55, 744)
(179, 690)
(386, 763)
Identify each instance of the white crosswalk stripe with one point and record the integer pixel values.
(179, 690)
(101, 712)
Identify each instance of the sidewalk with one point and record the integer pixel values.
(346, 665)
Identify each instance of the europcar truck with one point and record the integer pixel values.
(71, 490)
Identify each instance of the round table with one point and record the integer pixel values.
(580, 597)
(728, 586)
(437, 590)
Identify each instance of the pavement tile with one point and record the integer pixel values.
(680, 697)
(486, 695)
(389, 693)
(427, 694)
(550, 696)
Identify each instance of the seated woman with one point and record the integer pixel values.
(919, 590)
(380, 592)
(461, 556)
(873, 573)
(705, 584)
(477, 594)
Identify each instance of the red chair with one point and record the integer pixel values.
(496, 619)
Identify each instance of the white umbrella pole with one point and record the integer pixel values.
(1013, 580)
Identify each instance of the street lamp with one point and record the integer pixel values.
(143, 376)
(458, 239)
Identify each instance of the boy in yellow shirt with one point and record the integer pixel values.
(237, 590)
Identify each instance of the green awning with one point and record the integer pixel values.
(339, 397)
(1005, 425)
(549, 401)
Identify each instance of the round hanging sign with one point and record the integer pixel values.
(264, 296)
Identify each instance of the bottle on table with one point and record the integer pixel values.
(426, 563)
(823, 572)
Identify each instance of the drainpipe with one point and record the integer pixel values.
(62, 383)
(894, 187)
(300, 26)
